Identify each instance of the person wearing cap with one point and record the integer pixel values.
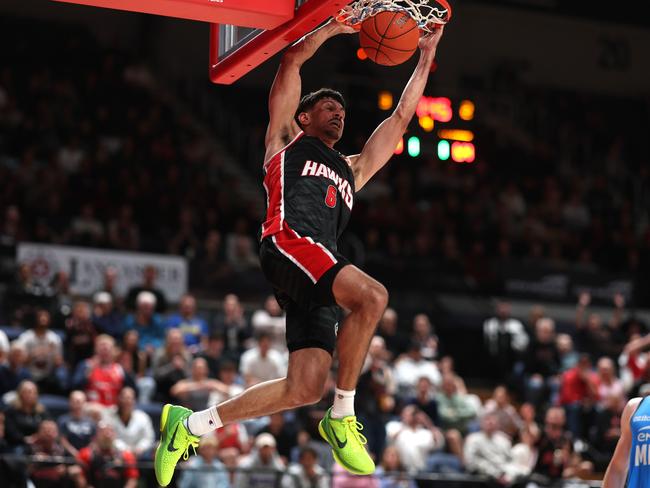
(147, 322)
(205, 470)
(263, 466)
(107, 319)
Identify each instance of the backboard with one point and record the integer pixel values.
(235, 50)
(262, 14)
(243, 33)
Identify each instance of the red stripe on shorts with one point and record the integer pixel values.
(311, 257)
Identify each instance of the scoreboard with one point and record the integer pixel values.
(443, 129)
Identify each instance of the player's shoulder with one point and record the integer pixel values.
(630, 408)
(633, 403)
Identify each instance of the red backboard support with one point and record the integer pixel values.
(258, 49)
(262, 14)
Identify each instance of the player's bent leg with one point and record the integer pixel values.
(366, 300)
(306, 376)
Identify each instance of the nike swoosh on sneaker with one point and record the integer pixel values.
(170, 446)
(338, 442)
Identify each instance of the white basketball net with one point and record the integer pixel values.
(426, 15)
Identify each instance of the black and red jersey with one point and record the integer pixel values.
(310, 191)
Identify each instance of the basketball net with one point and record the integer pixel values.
(427, 16)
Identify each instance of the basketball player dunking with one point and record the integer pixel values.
(310, 191)
(630, 465)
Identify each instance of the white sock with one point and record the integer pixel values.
(343, 403)
(205, 421)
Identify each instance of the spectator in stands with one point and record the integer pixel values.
(45, 446)
(391, 463)
(423, 334)
(77, 429)
(508, 420)
(228, 377)
(524, 453)
(608, 384)
(555, 458)
(240, 253)
(528, 416)
(425, 399)
(130, 357)
(307, 472)
(568, 356)
(193, 327)
(101, 376)
(415, 437)
(26, 295)
(133, 428)
(44, 354)
(213, 353)
(594, 337)
(15, 369)
(110, 284)
(62, 300)
(578, 395)
(205, 469)
(606, 431)
(106, 318)
(171, 364)
(80, 334)
(233, 325)
(375, 396)
(123, 231)
(210, 268)
(489, 453)
(283, 432)
(23, 416)
(86, 229)
(542, 363)
(150, 327)
(264, 464)
(149, 275)
(410, 367)
(271, 320)
(456, 410)
(396, 342)
(261, 363)
(104, 464)
(185, 241)
(194, 392)
(505, 339)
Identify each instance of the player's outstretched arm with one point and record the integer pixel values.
(617, 470)
(285, 92)
(381, 144)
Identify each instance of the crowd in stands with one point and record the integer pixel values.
(556, 414)
(90, 156)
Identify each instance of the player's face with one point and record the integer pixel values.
(328, 118)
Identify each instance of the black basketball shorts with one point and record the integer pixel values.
(302, 272)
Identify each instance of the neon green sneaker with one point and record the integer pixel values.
(348, 445)
(175, 441)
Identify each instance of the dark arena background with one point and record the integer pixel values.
(511, 229)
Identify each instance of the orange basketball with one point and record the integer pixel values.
(389, 38)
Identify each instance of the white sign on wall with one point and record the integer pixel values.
(85, 267)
